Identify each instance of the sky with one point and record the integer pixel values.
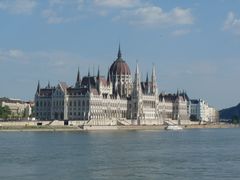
(195, 44)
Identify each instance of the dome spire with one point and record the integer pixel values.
(119, 52)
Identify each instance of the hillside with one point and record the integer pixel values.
(229, 113)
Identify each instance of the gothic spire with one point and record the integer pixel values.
(88, 72)
(78, 76)
(48, 86)
(98, 74)
(147, 84)
(119, 52)
(147, 79)
(78, 81)
(38, 87)
(154, 81)
(137, 81)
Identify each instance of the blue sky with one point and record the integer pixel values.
(195, 44)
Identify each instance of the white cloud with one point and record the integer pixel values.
(63, 3)
(56, 12)
(52, 17)
(18, 6)
(54, 2)
(46, 58)
(117, 3)
(155, 16)
(11, 54)
(180, 32)
(232, 23)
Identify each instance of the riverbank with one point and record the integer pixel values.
(9, 128)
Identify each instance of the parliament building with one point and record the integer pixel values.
(117, 99)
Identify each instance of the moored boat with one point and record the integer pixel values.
(174, 128)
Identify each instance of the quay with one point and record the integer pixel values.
(75, 126)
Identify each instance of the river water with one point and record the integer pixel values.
(190, 154)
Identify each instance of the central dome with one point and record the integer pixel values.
(119, 67)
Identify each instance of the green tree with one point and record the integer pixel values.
(235, 119)
(5, 112)
(193, 118)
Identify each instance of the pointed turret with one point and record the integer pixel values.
(48, 86)
(119, 52)
(108, 77)
(98, 81)
(38, 88)
(78, 81)
(147, 81)
(78, 76)
(137, 82)
(147, 84)
(98, 74)
(88, 72)
(154, 89)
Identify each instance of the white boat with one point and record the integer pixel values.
(174, 127)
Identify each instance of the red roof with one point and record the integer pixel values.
(120, 67)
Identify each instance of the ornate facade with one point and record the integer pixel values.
(115, 99)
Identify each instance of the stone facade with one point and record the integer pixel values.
(201, 111)
(18, 107)
(116, 99)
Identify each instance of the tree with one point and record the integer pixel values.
(193, 118)
(5, 112)
(235, 119)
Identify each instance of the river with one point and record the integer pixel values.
(189, 154)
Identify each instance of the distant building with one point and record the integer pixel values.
(18, 107)
(200, 110)
(116, 98)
